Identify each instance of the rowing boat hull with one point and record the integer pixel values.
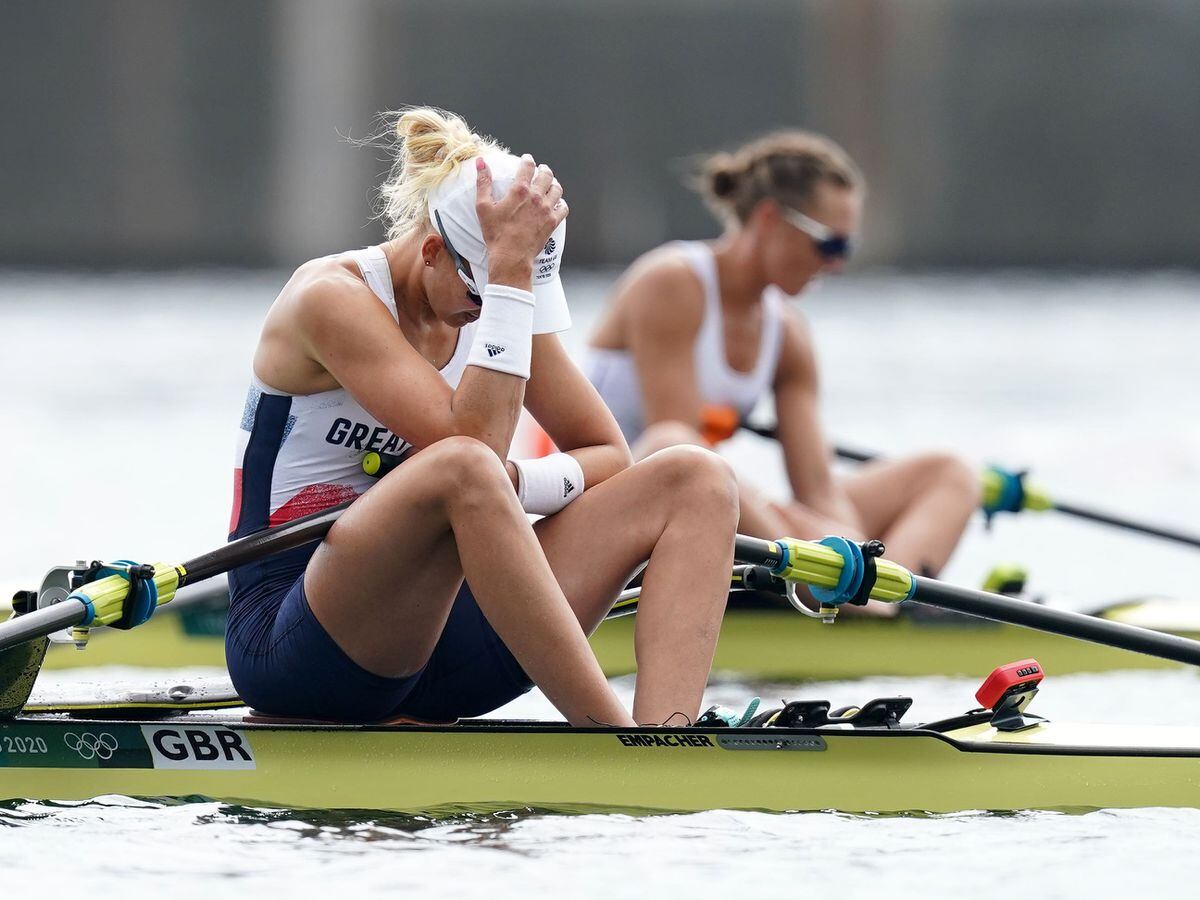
(763, 644)
(517, 765)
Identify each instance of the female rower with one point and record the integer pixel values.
(698, 332)
(432, 342)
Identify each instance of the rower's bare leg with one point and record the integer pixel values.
(384, 579)
(918, 506)
(677, 508)
(760, 516)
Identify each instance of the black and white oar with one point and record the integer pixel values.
(1007, 491)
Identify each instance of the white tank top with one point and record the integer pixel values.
(301, 453)
(615, 376)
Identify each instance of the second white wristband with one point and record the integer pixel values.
(547, 484)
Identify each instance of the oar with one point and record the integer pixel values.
(103, 601)
(835, 570)
(1006, 491)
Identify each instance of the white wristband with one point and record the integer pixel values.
(503, 334)
(547, 484)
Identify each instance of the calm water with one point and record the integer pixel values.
(121, 396)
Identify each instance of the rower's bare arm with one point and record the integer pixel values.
(566, 405)
(806, 452)
(665, 311)
(344, 328)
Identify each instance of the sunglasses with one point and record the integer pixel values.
(460, 264)
(829, 244)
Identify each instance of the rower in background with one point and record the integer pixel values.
(429, 344)
(697, 332)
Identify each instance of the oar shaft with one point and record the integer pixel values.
(1055, 621)
(804, 564)
(854, 455)
(1093, 515)
(306, 530)
(1067, 509)
(769, 431)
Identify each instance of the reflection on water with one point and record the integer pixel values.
(200, 846)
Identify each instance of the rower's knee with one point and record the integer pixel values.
(661, 435)
(949, 472)
(692, 475)
(467, 469)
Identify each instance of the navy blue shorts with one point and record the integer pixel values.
(282, 661)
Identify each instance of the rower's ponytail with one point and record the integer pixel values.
(786, 166)
(428, 144)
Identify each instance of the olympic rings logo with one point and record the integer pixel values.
(91, 746)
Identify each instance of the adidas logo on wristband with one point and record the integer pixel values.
(567, 488)
(494, 349)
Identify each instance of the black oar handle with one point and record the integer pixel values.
(756, 551)
(1056, 621)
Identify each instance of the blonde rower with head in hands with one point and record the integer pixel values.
(698, 332)
(433, 596)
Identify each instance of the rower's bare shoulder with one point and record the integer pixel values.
(661, 291)
(323, 291)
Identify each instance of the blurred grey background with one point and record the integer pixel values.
(152, 133)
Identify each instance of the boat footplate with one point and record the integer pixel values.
(803, 714)
(882, 712)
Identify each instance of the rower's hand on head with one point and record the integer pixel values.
(516, 227)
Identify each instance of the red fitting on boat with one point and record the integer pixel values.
(1016, 677)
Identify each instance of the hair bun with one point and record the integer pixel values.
(428, 143)
(428, 137)
(785, 166)
(723, 182)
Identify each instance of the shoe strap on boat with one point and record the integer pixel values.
(723, 717)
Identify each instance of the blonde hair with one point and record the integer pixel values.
(785, 166)
(426, 143)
